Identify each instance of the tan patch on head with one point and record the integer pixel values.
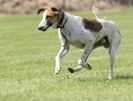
(53, 12)
(93, 25)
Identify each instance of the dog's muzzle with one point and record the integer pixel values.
(42, 28)
(45, 26)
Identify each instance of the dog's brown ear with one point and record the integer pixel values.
(55, 10)
(40, 10)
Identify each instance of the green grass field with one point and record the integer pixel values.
(27, 64)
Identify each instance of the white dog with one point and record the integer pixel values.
(81, 33)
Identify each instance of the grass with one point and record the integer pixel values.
(27, 64)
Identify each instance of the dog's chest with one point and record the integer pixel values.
(74, 38)
(70, 35)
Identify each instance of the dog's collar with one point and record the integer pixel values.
(62, 20)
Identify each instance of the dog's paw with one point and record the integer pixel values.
(110, 77)
(70, 70)
(57, 71)
(89, 66)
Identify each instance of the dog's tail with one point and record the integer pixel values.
(97, 13)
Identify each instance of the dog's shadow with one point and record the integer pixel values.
(124, 77)
(119, 77)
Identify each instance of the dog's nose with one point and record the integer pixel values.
(40, 28)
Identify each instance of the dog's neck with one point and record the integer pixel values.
(62, 20)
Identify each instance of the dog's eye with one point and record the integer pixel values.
(54, 9)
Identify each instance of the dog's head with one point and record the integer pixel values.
(51, 15)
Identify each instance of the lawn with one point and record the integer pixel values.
(27, 63)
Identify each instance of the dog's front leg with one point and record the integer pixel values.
(63, 51)
(82, 61)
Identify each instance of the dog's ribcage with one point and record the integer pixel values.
(76, 35)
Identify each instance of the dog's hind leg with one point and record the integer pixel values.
(79, 67)
(114, 42)
(82, 61)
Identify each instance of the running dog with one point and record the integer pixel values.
(87, 34)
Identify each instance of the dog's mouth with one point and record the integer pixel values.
(45, 26)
